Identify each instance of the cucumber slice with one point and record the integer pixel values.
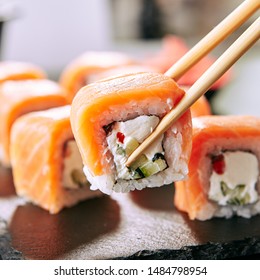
(240, 189)
(161, 163)
(139, 162)
(131, 145)
(246, 199)
(235, 195)
(149, 168)
(143, 167)
(234, 201)
(224, 188)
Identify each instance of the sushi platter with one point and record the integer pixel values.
(117, 160)
(137, 225)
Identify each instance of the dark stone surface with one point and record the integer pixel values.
(248, 248)
(139, 225)
(7, 252)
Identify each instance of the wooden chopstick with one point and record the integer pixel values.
(221, 65)
(213, 38)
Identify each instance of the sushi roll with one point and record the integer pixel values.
(46, 164)
(21, 97)
(224, 169)
(110, 118)
(82, 70)
(16, 70)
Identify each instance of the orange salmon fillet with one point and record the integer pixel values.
(37, 151)
(213, 133)
(20, 97)
(122, 70)
(15, 70)
(95, 102)
(75, 74)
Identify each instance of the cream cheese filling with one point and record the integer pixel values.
(131, 134)
(73, 176)
(235, 182)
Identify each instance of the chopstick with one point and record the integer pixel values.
(221, 65)
(213, 38)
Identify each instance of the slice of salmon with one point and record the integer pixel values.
(213, 134)
(122, 70)
(37, 150)
(16, 70)
(119, 98)
(78, 72)
(20, 97)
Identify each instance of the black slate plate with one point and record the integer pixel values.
(139, 225)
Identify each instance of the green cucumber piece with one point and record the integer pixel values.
(245, 199)
(139, 162)
(239, 200)
(131, 145)
(234, 201)
(240, 188)
(161, 163)
(236, 194)
(149, 168)
(224, 188)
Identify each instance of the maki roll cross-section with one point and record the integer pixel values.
(224, 169)
(112, 117)
(46, 164)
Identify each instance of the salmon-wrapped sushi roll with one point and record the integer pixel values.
(110, 118)
(47, 166)
(20, 97)
(16, 70)
(224, 169)
(82, 70)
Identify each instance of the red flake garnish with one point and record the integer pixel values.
(218, 164)
(120, 137)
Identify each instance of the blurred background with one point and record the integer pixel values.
(51, 33)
